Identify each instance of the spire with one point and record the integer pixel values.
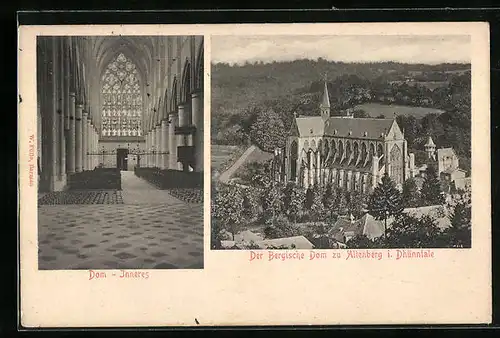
(430, 148)
(430, 142)
(325, 102)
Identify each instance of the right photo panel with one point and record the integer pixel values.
(338, 141)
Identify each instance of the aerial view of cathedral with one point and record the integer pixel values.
(351, 153)
(378, 156)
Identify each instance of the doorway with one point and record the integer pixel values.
(122, 159)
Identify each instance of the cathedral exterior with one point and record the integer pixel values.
(350, 153)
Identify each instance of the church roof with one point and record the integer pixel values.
(310, 126)
(430, 142)
(325, 102)
(445, 152)
(363, 128)
(366, 225)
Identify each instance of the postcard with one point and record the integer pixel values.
(254, 174)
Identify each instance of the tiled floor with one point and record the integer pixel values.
(150, 230)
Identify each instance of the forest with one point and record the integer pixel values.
(256, 103)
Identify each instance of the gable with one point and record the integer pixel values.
(294, 129)
(395, 132)
(310, 126)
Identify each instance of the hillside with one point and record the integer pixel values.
(235, 87)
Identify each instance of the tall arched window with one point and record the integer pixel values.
(121, 98)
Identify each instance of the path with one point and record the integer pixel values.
(226, 175)
(136, 190)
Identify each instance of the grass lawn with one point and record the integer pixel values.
(388, 110)
(257, 155)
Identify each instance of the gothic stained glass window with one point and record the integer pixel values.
(121, 99)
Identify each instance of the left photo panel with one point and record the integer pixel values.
(120, 152)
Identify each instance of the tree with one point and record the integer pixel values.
(411, 232)
(226, 209)
(360, 113)
(280, 227)
(360, 242)
(250, 203)
(459, 233)
(268, 131)
(341, 202)
(272, 201)
(330, 200)
(317, 210)
(385, 201)
(431, 188)
(355, 203)
(411, 195)
(293, 200)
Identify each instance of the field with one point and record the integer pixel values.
(429, 84)
(224, 155)
(259, 155)
(375, 109)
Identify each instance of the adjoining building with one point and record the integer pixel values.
(446, 162)
(348, 152)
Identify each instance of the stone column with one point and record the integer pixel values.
(158, 147)
(198, 121)
(70, 151)
(164, 144)
(85, 164)
(89, 144)
(60, 71)
(153, 147)
(96, 147)
(53, 140)
(148, 149)
(182, 116)
(92, 146)
(318, 166)
(78, 138)
(172, 144)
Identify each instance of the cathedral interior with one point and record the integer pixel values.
(120, 151)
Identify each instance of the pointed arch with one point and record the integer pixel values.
(121, 98)
(186, 82)
(173, 95)
(165, 104)
(372, 149)
(333, 149)
(356, 151)
(294, 149)
(348, 150)
(364, 153)
(313, 146)
(380, 150)
(396, 164)
(199, 77)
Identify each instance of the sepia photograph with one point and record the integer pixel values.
(120, 152)
(332, 142)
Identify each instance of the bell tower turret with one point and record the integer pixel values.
(325, 103)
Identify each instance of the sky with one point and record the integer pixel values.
(236, 49)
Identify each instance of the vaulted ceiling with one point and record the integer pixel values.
(96, 52)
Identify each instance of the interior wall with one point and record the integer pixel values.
(110, 147)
